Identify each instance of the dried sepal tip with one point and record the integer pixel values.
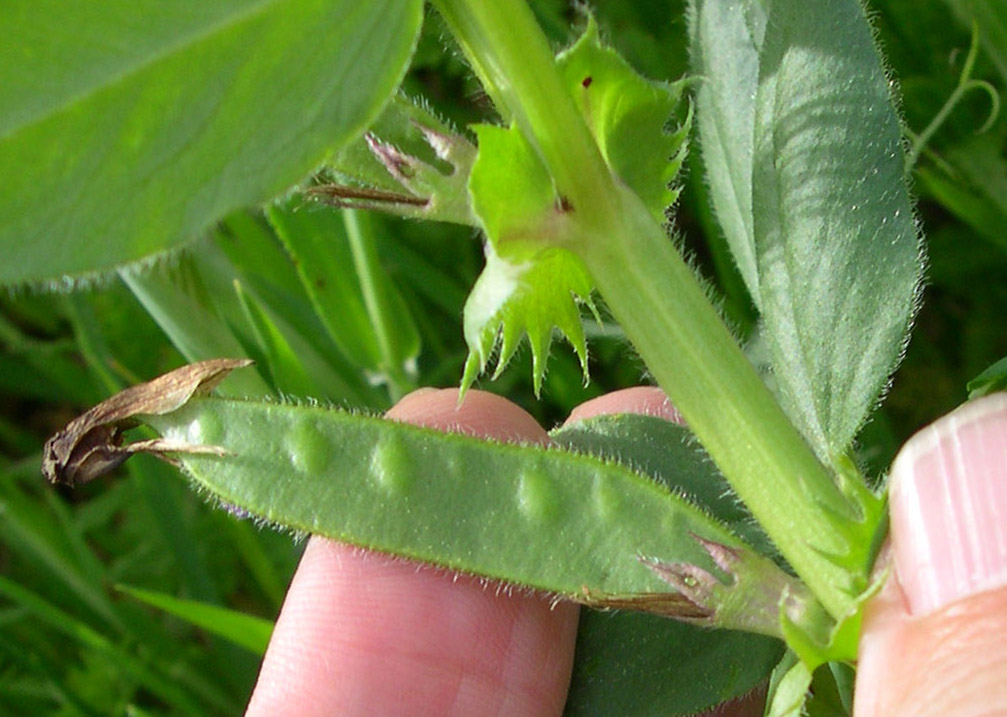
(91, 444)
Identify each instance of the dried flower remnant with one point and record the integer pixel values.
(91, 444)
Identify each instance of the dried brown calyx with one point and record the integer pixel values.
(92, 444)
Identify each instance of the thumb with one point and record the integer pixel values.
(933, 638)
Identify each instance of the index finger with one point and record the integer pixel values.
(362, 633)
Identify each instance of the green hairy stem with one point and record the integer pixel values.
(661, 305)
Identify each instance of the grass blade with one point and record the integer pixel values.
(247, 631)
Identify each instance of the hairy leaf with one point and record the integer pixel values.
(628, 116)
(838, 251)
(127, 128)
(726, 37)
(528, 286)
(806, 171)
(634, 664)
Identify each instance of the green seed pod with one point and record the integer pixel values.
(567, 523)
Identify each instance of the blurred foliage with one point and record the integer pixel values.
(69, 644)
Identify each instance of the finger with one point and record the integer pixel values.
(933, 639)
(366, 634)
(648, 400)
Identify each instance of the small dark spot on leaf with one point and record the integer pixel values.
(586, 82)
(320, 282)
(564, 204)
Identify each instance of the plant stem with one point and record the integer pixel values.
(365, 260)
(661, 305)
(513, 60)
(671, 323)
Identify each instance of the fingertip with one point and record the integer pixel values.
(645, 400)
(364, 633)
(481, 413)
(932, 638)
(948, 662)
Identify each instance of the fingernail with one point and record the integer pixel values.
(949, 506)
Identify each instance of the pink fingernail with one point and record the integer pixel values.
(949, 506)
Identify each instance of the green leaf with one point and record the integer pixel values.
(176, 297)
(46, 370)
(839, 257)
(126, 130)
(798, 691)
(31, 686)
(805, 162)
(271, 575)
(569, 524)
(254, 257)
(726, 38)
(46, 539)
(788, 689)
(635, 664)
(193, 299)
(976, 188)
(628, 116)
(248, 631)
(528, 286)
(832, 691)
(391, 320)
(257, 253)
(352, 294)
(282, 362)
(79, 632)
(170, 522)
(991, 380)
(316, 241)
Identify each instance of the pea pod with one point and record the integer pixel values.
(558, 521)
